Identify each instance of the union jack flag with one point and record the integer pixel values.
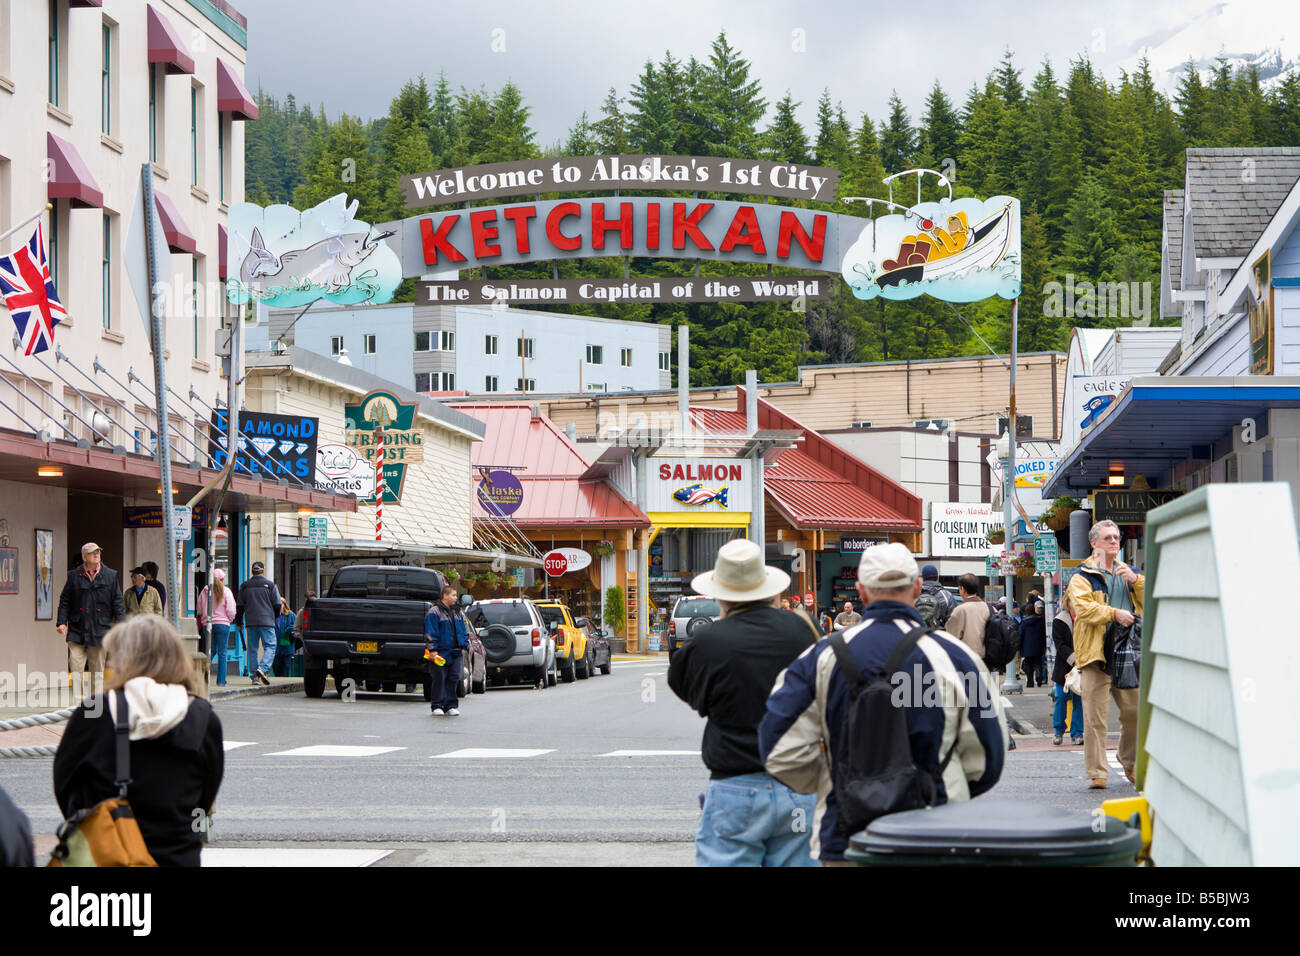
(29, 293)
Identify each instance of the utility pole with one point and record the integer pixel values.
(1011, 683)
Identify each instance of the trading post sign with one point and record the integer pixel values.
(402, 443)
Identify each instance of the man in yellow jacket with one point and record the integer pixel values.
(1104, 589)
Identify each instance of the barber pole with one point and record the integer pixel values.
(379, 483)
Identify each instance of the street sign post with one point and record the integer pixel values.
(182, 522)
(318, 532)
(1047, 556)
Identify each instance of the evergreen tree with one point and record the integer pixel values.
(652, 123)
(898, 138)
(940, 129)
(582, 140)
(785, 140)
(1088, 251)
(442, 121)
(1037, 331)
(341, 162)
(733, 103)
(611, 128)
(509, 135)
(1191, 101)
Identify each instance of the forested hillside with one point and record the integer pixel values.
(1088, 157)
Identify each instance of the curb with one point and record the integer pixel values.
(1022, 726)
(258, 691)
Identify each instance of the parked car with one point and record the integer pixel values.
(691, 613)
(369, 627)
(601, 654)
(473, 665)
(517, 644)
(570, 641)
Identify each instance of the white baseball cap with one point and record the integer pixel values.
(885, 567)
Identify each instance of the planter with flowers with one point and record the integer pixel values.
(603, 549)
(1023, 563)
(997, 535)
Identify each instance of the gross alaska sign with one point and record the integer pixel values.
(276, 445)
(960, 528)
(403, 441)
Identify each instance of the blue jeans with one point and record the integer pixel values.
(755, 820)
(220, 642)
(1058, 713)
(269, 643)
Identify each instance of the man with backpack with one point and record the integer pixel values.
(967, 621)
(935, 603)
(911, 715)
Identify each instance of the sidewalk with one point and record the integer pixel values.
(49, 735)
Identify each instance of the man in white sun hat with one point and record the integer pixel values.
(725, 672)
(954, 727)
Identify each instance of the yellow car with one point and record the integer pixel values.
(571, 651)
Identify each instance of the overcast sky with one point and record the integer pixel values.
(353, 55)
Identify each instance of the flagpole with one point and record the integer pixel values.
(37, 215)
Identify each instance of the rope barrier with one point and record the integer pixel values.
(35, 720)
(27, 751)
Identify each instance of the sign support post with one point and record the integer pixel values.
(1011, 683)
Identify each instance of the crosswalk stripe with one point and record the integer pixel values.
(333, 750)
(651, 753)
(236, 744)
(236, 856)
(488, 753)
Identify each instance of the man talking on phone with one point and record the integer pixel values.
(1105, 589)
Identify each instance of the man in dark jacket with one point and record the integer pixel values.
(90, 604)
(1033, 642)
(726, 673)
(445, 635)
(259, 602)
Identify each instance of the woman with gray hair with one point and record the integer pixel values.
(176, 750)
(1104, 589)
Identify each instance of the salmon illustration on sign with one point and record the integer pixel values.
(699, 495)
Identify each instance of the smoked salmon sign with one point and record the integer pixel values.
(960, 250)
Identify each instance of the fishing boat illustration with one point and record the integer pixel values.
(925, 256)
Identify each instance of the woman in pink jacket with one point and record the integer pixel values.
(222, 603)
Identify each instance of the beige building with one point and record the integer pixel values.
(969, 394)
(90, 91)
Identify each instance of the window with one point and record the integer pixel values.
(52, 250)
(153, 112)
(194, 299)
(490, 382)
(448, 381)
(422, 382)
(448, 341)
(490, 346)
(368, 344)
(524, 348)
(665, 361)
(221, 156)
(422, 341)
(6, 30)
(106, 83)
(56, 40)
(336, 344)
(194, 135)
(595, 355)
(107, 276)
(525, 385)
(625, 357)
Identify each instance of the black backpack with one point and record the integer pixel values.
(934, 604)
(874, 772)
(1001, 640)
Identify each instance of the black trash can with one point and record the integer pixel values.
(992, 832)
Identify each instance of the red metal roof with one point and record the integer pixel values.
(550, 467)
(816, 484)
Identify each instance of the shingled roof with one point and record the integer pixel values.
(1234, 193)
(1173, 251)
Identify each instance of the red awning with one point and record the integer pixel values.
(71, 179)
(165, 44)
(818, 485)
(221, 251)
(232, 97)
(179, 237)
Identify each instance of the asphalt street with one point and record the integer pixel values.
(545, 774)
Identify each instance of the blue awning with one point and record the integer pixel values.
(1158, 422)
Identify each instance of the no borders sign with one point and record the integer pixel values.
(563, 560)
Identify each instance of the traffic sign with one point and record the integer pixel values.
(1047, 556)
(1004, 564)
(521, 577)
(182, 521)
(318, 531)
(808, 599)
(562, 560)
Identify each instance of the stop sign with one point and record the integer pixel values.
(555, 563)
(808, 599)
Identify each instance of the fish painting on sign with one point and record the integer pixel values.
(699, 495)
(291, 258)
(958, 250)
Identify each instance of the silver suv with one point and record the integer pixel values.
(518, 644)
(690, 614)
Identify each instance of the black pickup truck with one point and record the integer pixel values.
(370, 628)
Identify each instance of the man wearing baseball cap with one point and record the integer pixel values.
(725, 671)
(954, 725)
(90, 604)
(259, 602)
